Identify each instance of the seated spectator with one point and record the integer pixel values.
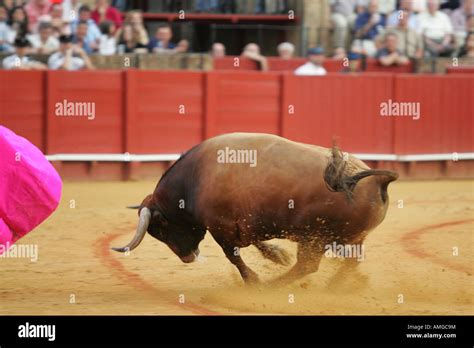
(44, 42)
(467, 50)
(56, 17)
(80, 38)
(437, 31)
(108, 41)
(410, 42)
(139, 30)
(35, 9)
(69, 56)
(459, 20)
(127, 42)
(314, 66)
(93, 31)
(339, 53)
(209, 6)
(390, 54)
(7, 35)
(406, 9)
(20, 60)
(135, 19)
(286, 50)
(19, 22)
(162, 40)
(105, 12)
(252, 51)
(218, 50)
(368, 26)
(11, 4)
(342, 20)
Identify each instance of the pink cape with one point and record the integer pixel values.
(30, 188)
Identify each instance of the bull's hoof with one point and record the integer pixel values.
(251, 278)
(277, 255)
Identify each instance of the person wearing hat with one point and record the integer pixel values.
(69, 56)
(20, 60)
(314, 66)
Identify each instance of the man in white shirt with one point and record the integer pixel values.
(44, 42)
(314, 66)
(69, 56)
(437, 30)
(406, 8)
(20, 60)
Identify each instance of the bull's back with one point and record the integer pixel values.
(285, 188)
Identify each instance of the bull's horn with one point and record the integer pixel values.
(143, 222)
(134, 206)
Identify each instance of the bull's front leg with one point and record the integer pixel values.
(233, 254)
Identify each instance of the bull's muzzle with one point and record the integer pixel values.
(191, 257)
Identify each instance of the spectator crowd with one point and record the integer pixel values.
(397, 31)
(69, 31)
(394, 32)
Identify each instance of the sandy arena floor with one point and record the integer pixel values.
(410, 254)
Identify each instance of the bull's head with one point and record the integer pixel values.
(181, 238)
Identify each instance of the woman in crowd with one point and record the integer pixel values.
(127, 42)
(19, 21)
(135, 20)
(468, 49)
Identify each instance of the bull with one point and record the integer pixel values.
(308, 194)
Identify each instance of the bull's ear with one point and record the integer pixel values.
(157, 216)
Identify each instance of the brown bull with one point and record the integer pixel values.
(248, 188)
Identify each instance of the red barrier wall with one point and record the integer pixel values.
(278, 64)
(78, 134)
(165, 111)
(447, 110)
(139, 111)
(22, 104)
(244, 102)
(345, 106)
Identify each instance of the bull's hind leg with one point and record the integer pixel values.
(309, 257)
(274, 253)
(348, 270)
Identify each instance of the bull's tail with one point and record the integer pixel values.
(339, 179)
